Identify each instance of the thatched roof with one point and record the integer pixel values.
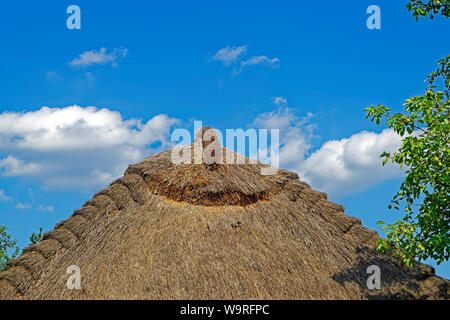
(198, 231)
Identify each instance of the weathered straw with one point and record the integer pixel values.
(205, 231)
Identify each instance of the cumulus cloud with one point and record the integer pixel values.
(350, 165)
(92, 57)
(235, 56)
(87, 147)
(338, 167)
(3, 196)
(75, 147)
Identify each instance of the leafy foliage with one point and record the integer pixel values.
(432, 7)
(36, 237)
(6, 243)
(425, 152)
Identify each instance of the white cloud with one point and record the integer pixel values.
(229, 55)
(23, 206)
(76, 147)
(3, 196)
(279, 101)
(260, 60)
(295, 133)
(42, 208)
(93, 57)
(235, 55)
(351, 165)
(338, 167)
(256, 60)
(282, 118)
(11, 166)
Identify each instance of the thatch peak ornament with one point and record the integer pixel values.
(211, 148)
(207, 135)
(207, 147)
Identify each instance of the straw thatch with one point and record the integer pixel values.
(218, 231)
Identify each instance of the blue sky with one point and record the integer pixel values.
(160, 63)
